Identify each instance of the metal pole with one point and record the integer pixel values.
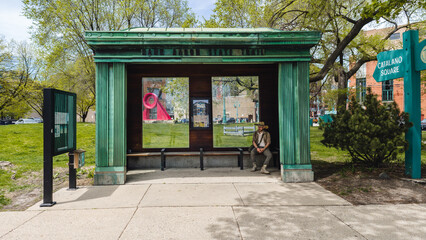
(163, 159)
(224, 105)
(241, 159)
(201, 159)
(72, 176)
(47, 149)
(412, 106)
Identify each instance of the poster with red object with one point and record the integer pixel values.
(161, 111)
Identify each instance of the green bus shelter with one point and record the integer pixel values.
(280, 59)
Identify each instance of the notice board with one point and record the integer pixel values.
(62, 120)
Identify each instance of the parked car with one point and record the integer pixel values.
(243, 120)
(7, 121)
(39, 120)
(423, 124)
(231, 120)
(184, 120)
(26, 121)
(217, 120)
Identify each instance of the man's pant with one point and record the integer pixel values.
(267, 153)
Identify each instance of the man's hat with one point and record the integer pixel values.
(262, 124)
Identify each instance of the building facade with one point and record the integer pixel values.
(387, 91)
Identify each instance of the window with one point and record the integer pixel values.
(165, 115)
(387, 90)
(236, 99)
(361, 85)
(395, 36)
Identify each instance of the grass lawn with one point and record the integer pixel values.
(165, 135)
(319, 152)
(168, 135)
(22, 145)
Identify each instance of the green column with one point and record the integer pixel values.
(412, 106)
(293, 105)
(111, 105)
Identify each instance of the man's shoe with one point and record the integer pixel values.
(263, 170)
(254, 169)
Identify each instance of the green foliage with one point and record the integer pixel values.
(177, 90)
(240, 14)
(59, 33)
(17, 71)
(343, 47)
(3, 200)
(372, 134)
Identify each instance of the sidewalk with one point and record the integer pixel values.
(211, 204)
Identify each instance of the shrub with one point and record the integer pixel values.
(372, 133)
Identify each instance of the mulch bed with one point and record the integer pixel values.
(360, 185)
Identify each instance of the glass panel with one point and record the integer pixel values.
(165, 106)
(387, 90)
(395, 36)
(361, 84)
(235, 110)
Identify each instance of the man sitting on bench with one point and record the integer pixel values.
(261, 142)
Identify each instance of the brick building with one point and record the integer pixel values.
(387, 91)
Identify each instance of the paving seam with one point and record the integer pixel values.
(79, 209)
(197, 183)
(4, 235)
(345, 223)
(236, 205)
(134, 212)
(238, 224)
(238, 195)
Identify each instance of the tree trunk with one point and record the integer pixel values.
(83, 117)
(342, 85)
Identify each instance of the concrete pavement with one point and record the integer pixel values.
(213, 204)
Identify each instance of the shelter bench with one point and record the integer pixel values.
(201, 153)
(163, 154)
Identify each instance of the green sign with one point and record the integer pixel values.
(407, 63)
(390, 65)
(420, 57)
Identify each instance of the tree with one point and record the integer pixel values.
(177, 90)
(372, 134)
(34, 96)
(343, 49)
(240, 14)
(60, 27)
(17, 69)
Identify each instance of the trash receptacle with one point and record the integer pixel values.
(311, 122)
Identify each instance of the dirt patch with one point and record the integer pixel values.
(362, 186)
(31, 188)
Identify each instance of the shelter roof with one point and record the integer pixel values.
(225, 43)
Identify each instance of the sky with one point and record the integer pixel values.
(13, 25)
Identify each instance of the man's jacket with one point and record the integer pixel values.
(266, 137)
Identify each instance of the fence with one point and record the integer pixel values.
(241, 131)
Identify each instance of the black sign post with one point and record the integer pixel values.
(59, 134)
